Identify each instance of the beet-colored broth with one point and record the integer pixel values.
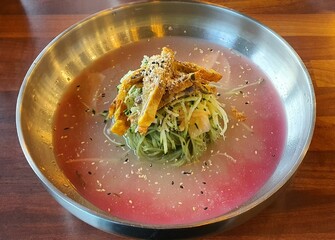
(230, 172)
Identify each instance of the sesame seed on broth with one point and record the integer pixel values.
(231, 171)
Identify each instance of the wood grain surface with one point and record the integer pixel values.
(305, 211)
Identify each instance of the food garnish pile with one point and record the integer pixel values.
(168, 110)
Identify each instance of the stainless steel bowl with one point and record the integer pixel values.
(64, 58)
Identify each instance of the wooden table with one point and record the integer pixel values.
(305, 211)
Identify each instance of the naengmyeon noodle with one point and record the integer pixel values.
(165, 141)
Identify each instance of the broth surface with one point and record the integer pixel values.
(229, 173)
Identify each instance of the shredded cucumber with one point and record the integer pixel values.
(171, 138)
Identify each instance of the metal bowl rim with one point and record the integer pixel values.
(112, 219)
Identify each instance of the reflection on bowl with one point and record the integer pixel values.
(65, 57)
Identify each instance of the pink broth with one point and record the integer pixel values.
(229, 173)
